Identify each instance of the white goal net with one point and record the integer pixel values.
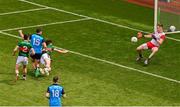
(167, 12)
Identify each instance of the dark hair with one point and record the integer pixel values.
(38, 30)
(160, 25)
(48, 42)
(26, 37)
(55, 79)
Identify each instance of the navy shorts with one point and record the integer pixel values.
(36, 56)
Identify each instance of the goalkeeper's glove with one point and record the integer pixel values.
(139, 35)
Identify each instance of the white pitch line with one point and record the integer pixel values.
(173, 32)
(96, 19)
(22, 11)
(114, 24)
(178, 40)
(109, 62)
(10, 35)
(40, 5)
(40, 25)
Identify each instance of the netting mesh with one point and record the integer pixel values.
(169, 14)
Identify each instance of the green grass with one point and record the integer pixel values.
(14, 5)
(86, 81)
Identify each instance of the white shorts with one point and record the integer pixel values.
(22, 60)
(148, 45)
(144, 46)
(44, 57)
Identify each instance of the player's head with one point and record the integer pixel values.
(55, 79)
(39, 31)
(48, 42)
(159, 28)
(26, 37)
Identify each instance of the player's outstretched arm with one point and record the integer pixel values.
(21, 34)
(60, 51)
(15, 50)
(148, 36)
(141, 35)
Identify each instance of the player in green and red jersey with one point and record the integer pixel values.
(46, 56)
(24, 48)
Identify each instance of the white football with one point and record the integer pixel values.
(172, 28)
(134, 39)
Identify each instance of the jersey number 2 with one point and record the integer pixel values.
(24, 49)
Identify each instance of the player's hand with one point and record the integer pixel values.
(139, 35)
(65, 51)
(20, 31)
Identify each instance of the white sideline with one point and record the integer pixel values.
(22, 11)
(40, 25)
(100, 20)
(109, 62)
(10, 35)
(178, 40)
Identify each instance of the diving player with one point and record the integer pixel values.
(157, 40)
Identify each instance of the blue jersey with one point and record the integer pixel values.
(55, 92)
(36, 42)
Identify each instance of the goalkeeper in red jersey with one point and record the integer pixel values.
(157, 40)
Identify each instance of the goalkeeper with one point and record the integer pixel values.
(157, 40)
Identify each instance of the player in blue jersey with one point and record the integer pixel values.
(54, 93)
(38, 43)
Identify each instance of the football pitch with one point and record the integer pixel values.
(100, 68)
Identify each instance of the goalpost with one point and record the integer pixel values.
(155, 15)
(167, 12)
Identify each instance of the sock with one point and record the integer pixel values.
(140, 55)
(17, 73)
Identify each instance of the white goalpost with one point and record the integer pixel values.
(167, 12)
(155, 15)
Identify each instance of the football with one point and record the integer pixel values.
(134, 39)
(172, 28)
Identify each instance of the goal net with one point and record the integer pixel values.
(167, 12)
